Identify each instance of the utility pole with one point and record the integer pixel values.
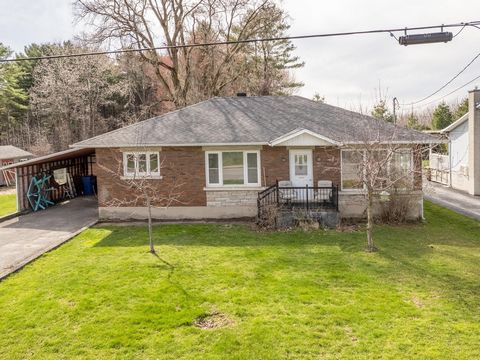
(395, 104)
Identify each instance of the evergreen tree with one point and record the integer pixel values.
(269, 63)
(13, 98)
(381, 112)
(412, 122)
(318, 98)
(461, 109)
(442, 117)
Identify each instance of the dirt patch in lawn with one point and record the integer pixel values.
(213, 320)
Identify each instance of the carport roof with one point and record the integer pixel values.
(61, 155)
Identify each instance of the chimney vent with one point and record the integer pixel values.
(242, 94)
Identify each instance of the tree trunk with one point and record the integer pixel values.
(150, 237)
(370, 244)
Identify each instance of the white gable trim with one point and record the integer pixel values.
(455, 124)
(316, 139)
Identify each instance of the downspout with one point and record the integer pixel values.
(450, 162)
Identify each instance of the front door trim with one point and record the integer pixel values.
(301, 180)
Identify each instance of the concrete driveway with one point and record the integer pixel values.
(452, 199)
(25, 238)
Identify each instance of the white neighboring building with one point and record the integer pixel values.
(464, 148)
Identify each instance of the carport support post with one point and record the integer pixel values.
(17, 190)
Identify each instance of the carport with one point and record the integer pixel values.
(77, 162)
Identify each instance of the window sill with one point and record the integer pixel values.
(233, 188)
(153, 177)
(352, 192)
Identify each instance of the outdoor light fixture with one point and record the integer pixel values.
(439, 37)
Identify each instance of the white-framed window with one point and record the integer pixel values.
(351, 170)
(398, 170)
(232, 168)
(141, 164)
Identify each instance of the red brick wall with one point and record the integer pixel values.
(182, 169)
(326, 165)
(183, 172)
(274, 162)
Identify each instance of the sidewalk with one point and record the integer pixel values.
(452, 199)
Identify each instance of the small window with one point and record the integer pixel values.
(301, 166)
(154, 163)
(352, 170)
(401, 169)
(213, 169)
(141, 164)
(130, 170)
(252, 168)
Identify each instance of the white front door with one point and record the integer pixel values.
(301, 167)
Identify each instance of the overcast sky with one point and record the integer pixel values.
(347, 71)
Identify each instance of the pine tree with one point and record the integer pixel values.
(381, 112)
(13, 98)
(442, 117)
(461, 109)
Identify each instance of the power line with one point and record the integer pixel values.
(245, 41)
(451, 92)
(446, 95)
(446, 84)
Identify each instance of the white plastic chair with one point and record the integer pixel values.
(324, 194)
(286, 194)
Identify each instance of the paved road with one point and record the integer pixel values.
(455, 200)
(25, 238)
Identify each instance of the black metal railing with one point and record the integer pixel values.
(296, 197)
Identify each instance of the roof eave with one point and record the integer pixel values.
(455, 124)
(79, 146)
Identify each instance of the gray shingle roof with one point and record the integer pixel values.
(12, 152)
(253, 120)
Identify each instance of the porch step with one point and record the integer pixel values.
(328, 218)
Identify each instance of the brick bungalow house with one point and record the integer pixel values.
(226, 150)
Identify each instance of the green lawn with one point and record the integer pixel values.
(283, 295)
(8, 204)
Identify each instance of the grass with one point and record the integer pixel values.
(281, 295)
(8, 204)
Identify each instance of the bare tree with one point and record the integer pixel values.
(154, 23)
(71, 97)
(381, 167)
(141, 188)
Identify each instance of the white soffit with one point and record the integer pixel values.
(303, 137)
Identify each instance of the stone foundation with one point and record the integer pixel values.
(177, 213)
(353, 205)
(227, 198)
